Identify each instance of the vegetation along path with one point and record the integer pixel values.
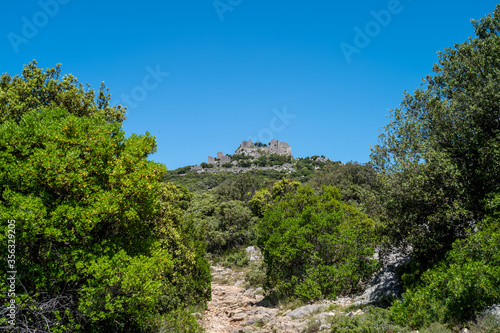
(236, 307)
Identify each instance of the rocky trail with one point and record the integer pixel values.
(236, 309)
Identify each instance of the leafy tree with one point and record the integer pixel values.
(314, 245)
(241, 187)
(460, 287)
(227, 224)
(206, 165)
(358, 184)
(244, 164)
(95, 225)
(36, 89)
(264, 197)
(439, 155)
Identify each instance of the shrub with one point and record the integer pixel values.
(314, 245)
(371, 321)
(462, 285)
(226, 224)
(100, 238)
(236, 259)
(256, 275)
(244, 164)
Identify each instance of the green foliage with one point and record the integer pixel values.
(226, 224)
(488, 323)
(358, 184)
(95, 224)
(178, 321)
(256, 274)
(240, 157)
(244, 164)
(264, 197)
(241, 187)
(313, 326)
(260, 202)
(206, 165)
(373, 320)
(36, 89)
(198, 182)
(237, 258)
(440, 153)
(313, 244)
(454, 291)
(183, 170)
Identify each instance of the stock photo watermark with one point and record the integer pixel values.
(31, 26)
(277, 124)
(11, 272)
(150, 82)
(372, 29)
(223, 6)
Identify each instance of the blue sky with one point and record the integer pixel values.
(203, 75)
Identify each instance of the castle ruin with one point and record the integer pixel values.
(248, 148)
(274, 147)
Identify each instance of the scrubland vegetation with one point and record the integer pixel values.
(108, 241)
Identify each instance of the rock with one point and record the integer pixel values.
(249, 292)
(254, 253)
(385, 285)
(197, 315)
(323, 316)
(355, 313)
(494, 310)
(248, 322)
(325, 327)
(305, 310)
(238, 316)
(464, 330)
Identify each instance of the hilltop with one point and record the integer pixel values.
(271, 161)
(251, 156)
(273, 156)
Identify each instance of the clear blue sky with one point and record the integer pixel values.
(233, 65)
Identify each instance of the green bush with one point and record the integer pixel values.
(244, 164)
(227, 224)
(100, 238)
(314, 245)
(373, 320)
(236, 259)
(461, 286)
(256, 274)
(179, 321)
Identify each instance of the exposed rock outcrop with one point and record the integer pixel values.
(385, 285)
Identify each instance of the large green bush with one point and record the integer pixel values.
(100, 240)
(440, 153)
(462, 285)
(226, 224)
(314, 245)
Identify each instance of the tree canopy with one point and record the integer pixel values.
(35, 89)
(100, 239)
(439, 155)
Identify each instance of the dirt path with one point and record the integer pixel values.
(235, 309)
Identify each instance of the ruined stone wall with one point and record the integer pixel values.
(275, 147)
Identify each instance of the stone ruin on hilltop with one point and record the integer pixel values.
(275, 147)
(247, 148)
